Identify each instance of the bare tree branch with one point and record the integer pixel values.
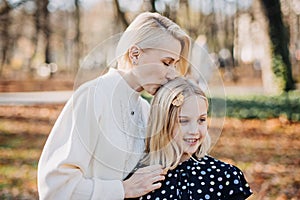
(7, 7)
(120, 14)
(153, 8)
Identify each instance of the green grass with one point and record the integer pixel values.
(285, 106)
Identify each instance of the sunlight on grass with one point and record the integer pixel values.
(18, 172)
(29, 126)
(18, 182)
(267, 151)
(8, 154)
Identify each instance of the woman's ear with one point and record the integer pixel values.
(134, 53)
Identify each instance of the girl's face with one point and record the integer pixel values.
(157, 66)
(192, 125)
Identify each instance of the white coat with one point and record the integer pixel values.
(96, 141)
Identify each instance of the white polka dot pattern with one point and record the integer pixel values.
(208, 178)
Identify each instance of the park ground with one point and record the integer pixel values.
(267, 151)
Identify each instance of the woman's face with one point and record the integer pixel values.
(157, 66)
(192, 126)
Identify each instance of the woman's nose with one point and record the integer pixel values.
(172, 73)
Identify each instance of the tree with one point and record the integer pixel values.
(6, 20)
(279, 37)
(120, 14)
(77, 39)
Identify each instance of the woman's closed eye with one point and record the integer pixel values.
(167, 61)
(166, 64)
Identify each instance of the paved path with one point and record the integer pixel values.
(56, 97)
(29, 98)
(236, 90)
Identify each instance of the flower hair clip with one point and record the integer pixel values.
(178, 100)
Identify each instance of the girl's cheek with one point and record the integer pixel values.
(203, 130)
(183, 130)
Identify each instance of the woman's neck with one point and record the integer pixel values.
(131, 80)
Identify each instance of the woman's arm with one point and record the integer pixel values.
(143, 181)
(68, 151)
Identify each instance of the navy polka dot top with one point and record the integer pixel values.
(202, 179)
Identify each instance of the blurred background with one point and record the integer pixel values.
(254, 44)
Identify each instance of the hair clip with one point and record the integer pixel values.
(178, 100)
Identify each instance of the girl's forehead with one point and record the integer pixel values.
(193, 105)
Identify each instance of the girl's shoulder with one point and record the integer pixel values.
(227, 175)
(213, 164)
(214, 161)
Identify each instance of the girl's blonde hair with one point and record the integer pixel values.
(147, 30)
(160, 145)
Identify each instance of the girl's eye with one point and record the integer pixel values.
(183, 121)
(201, 120)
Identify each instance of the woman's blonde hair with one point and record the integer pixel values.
(147, 31)
(160, 145)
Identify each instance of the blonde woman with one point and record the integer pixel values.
(99, 136)
(178, 140)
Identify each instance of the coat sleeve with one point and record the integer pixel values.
(68, 152)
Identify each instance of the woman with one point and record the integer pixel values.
(99, 136)
(178, 140)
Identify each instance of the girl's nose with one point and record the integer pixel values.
(194, 129)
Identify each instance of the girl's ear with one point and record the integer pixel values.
(134, 53)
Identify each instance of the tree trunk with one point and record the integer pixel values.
(5, 40)
(153, 8)
(46, 31)
(120, 15)
(281, 64)
(262, 38)
(78, 45)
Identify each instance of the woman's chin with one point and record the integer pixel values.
(152, 90)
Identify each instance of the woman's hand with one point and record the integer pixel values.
(143, 181)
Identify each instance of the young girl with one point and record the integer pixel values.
(179, 141)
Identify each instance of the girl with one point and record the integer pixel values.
(179, 141)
